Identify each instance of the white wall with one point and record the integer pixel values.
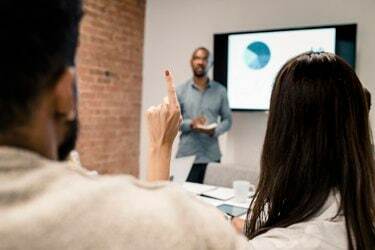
(175, 27)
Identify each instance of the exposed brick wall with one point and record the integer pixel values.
(110, 83)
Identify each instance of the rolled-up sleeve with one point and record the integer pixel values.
(185, 125)
(225, 116)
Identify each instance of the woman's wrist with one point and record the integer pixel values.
(159, 162)
(165, 147)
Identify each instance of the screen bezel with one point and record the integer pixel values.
(344, 33)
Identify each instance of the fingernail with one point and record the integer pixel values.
(167, 72)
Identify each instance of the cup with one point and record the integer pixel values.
(241, 190)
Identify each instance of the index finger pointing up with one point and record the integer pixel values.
(171, 89)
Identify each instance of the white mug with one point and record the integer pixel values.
(242, 190)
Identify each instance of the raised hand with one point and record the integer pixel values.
(164, 120)
(163, 125)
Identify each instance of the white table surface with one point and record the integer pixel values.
(199, 189)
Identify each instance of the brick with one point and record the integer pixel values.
(109, 70)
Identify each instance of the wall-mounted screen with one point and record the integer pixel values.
(247, 62)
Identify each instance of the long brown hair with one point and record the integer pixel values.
(317, 141)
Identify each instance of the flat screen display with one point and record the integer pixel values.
(248, 62)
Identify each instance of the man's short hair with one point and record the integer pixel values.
(201, 48)
(38, 41)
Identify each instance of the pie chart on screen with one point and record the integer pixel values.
(257, 55)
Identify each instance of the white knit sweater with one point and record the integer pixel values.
(44, 205)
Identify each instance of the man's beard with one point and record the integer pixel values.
(200, 72)
(69, 142)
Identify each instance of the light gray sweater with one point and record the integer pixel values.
(45, 205)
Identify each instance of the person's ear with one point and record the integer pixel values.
(63, 92)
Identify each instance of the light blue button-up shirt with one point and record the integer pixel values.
(211, 103)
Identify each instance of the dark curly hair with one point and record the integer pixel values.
(38, 41)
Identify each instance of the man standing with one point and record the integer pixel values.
(202, 102)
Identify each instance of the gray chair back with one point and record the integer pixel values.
(218, 174)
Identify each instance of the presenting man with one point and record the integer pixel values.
(203, 102)
(46, 205)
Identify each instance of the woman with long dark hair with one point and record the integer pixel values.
(317, 180)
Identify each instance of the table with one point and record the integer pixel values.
(223, 195)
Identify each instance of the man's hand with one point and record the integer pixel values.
(198, 121)
(164, 120)
(198, 125)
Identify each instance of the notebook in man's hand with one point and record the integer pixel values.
(208, 127)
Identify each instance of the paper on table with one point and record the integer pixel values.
(220, 193)
(211, 201)
(180, 168)
(197, 188)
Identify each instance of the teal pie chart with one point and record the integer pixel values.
(257, 55)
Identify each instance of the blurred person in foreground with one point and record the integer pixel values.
(317, 181)
(46, 205)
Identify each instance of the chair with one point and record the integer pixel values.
(218, 174)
